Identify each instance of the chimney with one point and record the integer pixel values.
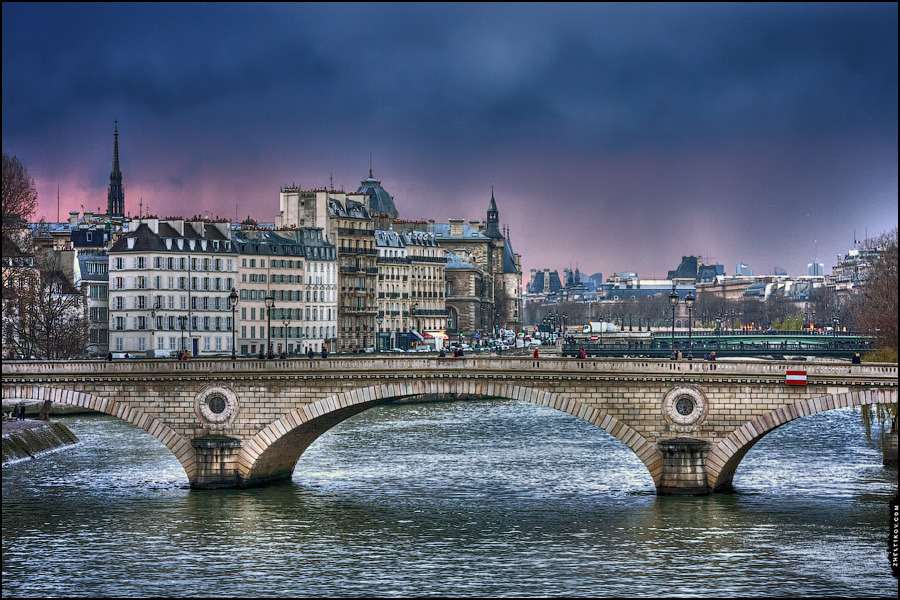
(456, 228)
(73, 218)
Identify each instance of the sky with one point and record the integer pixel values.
(614, 137)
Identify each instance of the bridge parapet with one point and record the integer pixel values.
(380, 363)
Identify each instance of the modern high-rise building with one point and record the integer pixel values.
(743, 269)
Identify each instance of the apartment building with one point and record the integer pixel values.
(169, 287)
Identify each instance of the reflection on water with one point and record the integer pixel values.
(487, 498)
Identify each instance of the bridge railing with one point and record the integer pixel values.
(137, 367)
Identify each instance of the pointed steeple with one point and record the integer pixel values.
(115, 199)
(493, 219)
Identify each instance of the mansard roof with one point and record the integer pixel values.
(143, 239)
(415, 237)
(271, 243)
(454, 261)
(388, 238)
(442, 231)
(351, 209)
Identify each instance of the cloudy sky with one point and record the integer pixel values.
(615, 136)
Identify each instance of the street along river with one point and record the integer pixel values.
(467, 498)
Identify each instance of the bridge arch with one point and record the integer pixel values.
(272, 454)
(725, 456)
(178, 445)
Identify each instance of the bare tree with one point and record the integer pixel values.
(875, 307)
(19, 193)
(46, 313)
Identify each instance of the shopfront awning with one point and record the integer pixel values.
(436, 334)
(416, 336)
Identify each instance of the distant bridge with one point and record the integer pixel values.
(780, 345)
(247, 422)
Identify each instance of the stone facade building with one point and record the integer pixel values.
(482, 244)
(287, 296)
(169, 287)
(468, 300)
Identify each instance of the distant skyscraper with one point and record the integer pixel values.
(743, 269)
(815, 269)
(115, 206)
(780, 271)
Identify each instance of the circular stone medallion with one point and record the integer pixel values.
(684, 407)
(217, 406)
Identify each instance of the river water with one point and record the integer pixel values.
(467, 498)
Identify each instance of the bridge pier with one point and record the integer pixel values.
(684, 467)
(889, 447)
(217, 462)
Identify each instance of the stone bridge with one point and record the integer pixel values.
(246, 422)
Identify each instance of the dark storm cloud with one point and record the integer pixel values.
(624, 105)
(619, 75)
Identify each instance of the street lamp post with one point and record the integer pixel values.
(673, 300)
(834, 327)
(689, 300)
(156, 307)
(285, 323)
(182, 320)
(233, 300)
(379, 318)
(270, 304)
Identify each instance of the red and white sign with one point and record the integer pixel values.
(796, 378)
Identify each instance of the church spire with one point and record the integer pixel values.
(493, 219)
(115, 206)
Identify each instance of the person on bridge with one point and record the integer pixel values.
(535, 352)
(310, 353)
(856, 360)
(324, 352)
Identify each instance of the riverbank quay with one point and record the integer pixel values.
(29, 438)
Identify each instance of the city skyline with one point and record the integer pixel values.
(615, 137)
